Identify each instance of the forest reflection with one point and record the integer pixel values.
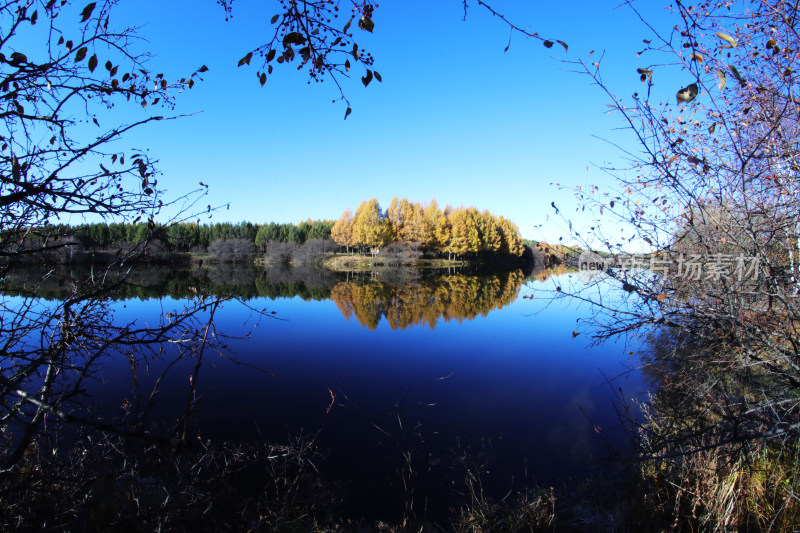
(428, 301)
(403, 297)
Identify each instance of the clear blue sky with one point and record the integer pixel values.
(455, 118)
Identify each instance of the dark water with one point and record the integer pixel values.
(441, 374)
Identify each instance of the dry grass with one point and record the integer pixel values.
(529, 512)
(720, 490)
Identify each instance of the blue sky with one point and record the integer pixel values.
(455, 118)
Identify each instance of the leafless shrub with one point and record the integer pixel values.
(280, 252)
(710, 185)
(400, 253)
(231, 250)
(52, 167)
(313, 250)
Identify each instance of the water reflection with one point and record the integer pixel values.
(146, 282)
(445, 298)
(402, 297)
(509, 400)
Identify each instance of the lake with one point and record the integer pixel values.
(397, 376)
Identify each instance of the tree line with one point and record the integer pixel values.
(193, 237)
(454, 232)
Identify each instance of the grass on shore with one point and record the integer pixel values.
(356, 263)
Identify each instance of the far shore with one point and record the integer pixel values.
(286, 254)
(357, 263)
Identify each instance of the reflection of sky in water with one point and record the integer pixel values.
(515, 380)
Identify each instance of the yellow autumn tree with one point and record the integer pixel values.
(458, 245)
(395, 220)
(512, 242)
(435, 219)
(491, 239)
(442, 230)
(342, 230)
(472, 218)
(369, 227)
(454, 232)
(417, 226)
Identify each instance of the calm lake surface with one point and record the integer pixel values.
(453, 371)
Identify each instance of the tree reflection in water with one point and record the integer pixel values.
(425, 302)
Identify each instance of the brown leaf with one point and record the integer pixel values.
(736, 74)
(293, 38)
(87, 11)
(245, 60)
(687, 94)
(366, 24)
(368, 78)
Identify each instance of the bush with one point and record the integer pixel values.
(400, 253)
(313, 250)
(280, 252)
(231, 250)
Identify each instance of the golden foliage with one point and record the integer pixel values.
(455, 232)
(454, 297)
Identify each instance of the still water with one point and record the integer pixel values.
(440, 373)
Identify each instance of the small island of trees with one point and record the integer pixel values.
(454, 232)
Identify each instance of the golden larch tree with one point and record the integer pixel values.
(342, 230)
